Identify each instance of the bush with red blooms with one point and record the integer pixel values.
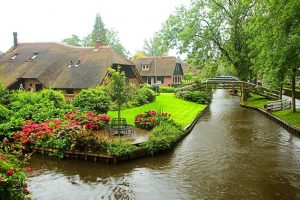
(56, 133)
(12, 172)
(150, 119)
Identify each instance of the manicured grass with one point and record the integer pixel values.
(285, 115)
(289, 117)
(183, 112)
(256, 101)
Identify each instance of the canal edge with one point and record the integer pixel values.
(290, 128)
(140, 152)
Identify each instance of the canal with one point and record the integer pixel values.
(232, 153)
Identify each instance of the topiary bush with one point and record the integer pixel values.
(92, 99)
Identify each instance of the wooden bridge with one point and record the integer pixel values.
(230, 82)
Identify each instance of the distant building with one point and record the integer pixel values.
(34, 66)
(164, 70)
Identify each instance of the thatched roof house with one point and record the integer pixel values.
(165, 70)
(34, 66)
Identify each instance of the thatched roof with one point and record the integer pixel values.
(52, 64)
(165, 65)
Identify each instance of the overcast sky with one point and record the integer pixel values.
(54, 20)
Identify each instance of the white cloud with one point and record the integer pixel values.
(54, 20)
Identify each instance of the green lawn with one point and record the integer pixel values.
(289, 117)
(285, 115)
(256, 101)
(183, 112)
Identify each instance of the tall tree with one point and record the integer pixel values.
(276, 43)
(154, 46)
(211, 29)
(101, 33)
(117, 88)
(74, 40)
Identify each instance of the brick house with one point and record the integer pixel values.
(34, 66)
(165, 70)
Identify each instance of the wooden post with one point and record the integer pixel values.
(242, 95)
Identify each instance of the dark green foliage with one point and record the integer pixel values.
(5, 96)
(120, 148)
(200, 97)
(166, 89)
(163, 137)
(4, 114)
(92, 99)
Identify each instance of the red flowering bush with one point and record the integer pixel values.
(150, 119)
(89, 120)
(12, 172)
(58, 134)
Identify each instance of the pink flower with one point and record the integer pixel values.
(10, 172)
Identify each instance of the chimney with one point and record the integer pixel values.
(98, 44)
(15, 39)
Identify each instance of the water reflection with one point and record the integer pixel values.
(232, 153)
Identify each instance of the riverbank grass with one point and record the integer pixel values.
(183, 112)
(256, 101)
(285, 115)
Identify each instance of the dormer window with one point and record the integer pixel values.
(145, 67)
(14, 57)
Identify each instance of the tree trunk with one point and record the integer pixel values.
(119, 112)
(280, 91)
(293, 93)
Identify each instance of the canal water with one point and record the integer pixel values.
(232, 153)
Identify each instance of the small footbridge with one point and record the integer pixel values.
(233, 83)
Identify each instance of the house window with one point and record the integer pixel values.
(177, 79)
(160, 79)
(69, 91)
(38, 87)
(145, 67)
(14, 57)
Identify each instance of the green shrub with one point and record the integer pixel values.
(200, 97)
(166, 89)
(55, 96)
(142, 96)
(8, 128)
(163, 137)
(92, 99)
(4, 114)
(5, 96)
(120, 148)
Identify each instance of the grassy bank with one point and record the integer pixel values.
(256, 101)
(285, 115)
(183, 112)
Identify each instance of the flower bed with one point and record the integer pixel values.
(150, 119)
(72, 133)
